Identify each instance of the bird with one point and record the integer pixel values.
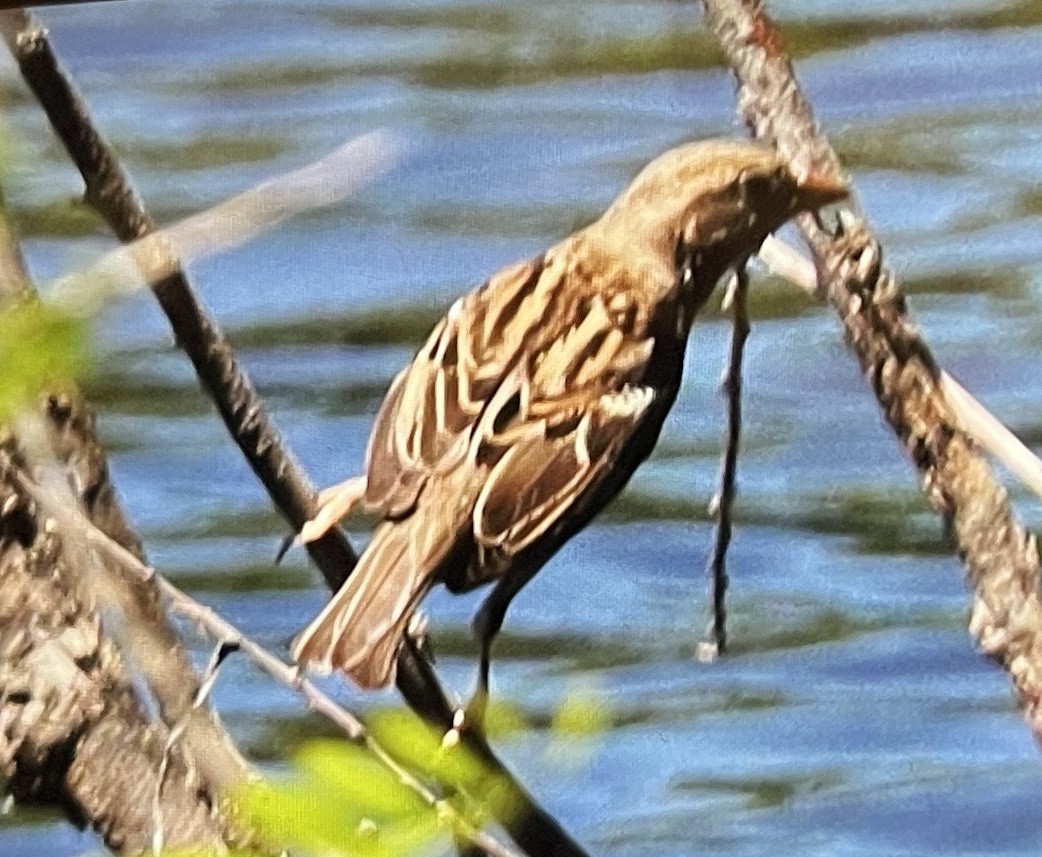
(537, 396)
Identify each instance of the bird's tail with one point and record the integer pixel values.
(361, 628)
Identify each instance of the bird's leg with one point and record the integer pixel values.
(334, 504)
(477, 707)
(486, 626)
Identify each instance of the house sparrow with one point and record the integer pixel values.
(537, 396)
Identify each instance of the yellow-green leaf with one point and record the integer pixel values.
(40, 346)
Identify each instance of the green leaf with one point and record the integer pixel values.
(479, 792)
(420, 748)
(340, 800)
(308, 816)
(583, 713)
(357, 778)
(40, 347)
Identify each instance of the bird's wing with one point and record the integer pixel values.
(426, 420)
(532, 359)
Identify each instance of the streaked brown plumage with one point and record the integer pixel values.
(538, 395)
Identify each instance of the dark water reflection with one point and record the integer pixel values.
(853, 716)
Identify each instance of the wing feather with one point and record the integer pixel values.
(546, 471)
(427, 418)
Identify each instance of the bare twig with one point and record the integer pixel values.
(175, 734)
(723, 501)
(1000, 557)
(160, 254)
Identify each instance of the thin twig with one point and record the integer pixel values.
(51, 491)
(976, 420)
(722, 504)
(175, 734)
(158, 255)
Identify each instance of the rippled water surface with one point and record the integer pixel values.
(853, 716)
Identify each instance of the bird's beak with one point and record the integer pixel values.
(818, 189)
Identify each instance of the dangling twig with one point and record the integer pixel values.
(722, 503)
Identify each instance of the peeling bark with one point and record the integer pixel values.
(73, 733)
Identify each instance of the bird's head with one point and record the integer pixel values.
(711, 204)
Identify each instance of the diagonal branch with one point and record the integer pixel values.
(1000, 557)
(982, 425)
(109, 191)
(243, 412)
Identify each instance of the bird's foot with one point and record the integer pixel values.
(333, 505)
(469, 718)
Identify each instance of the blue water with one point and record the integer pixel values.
(853, 716)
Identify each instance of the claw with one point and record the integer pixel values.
(289, 541)
(459, 723)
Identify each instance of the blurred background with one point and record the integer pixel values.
(852, 716)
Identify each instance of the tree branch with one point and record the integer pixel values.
(982, 425)
(1000, 557)
(74, 734)
(50, 491)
